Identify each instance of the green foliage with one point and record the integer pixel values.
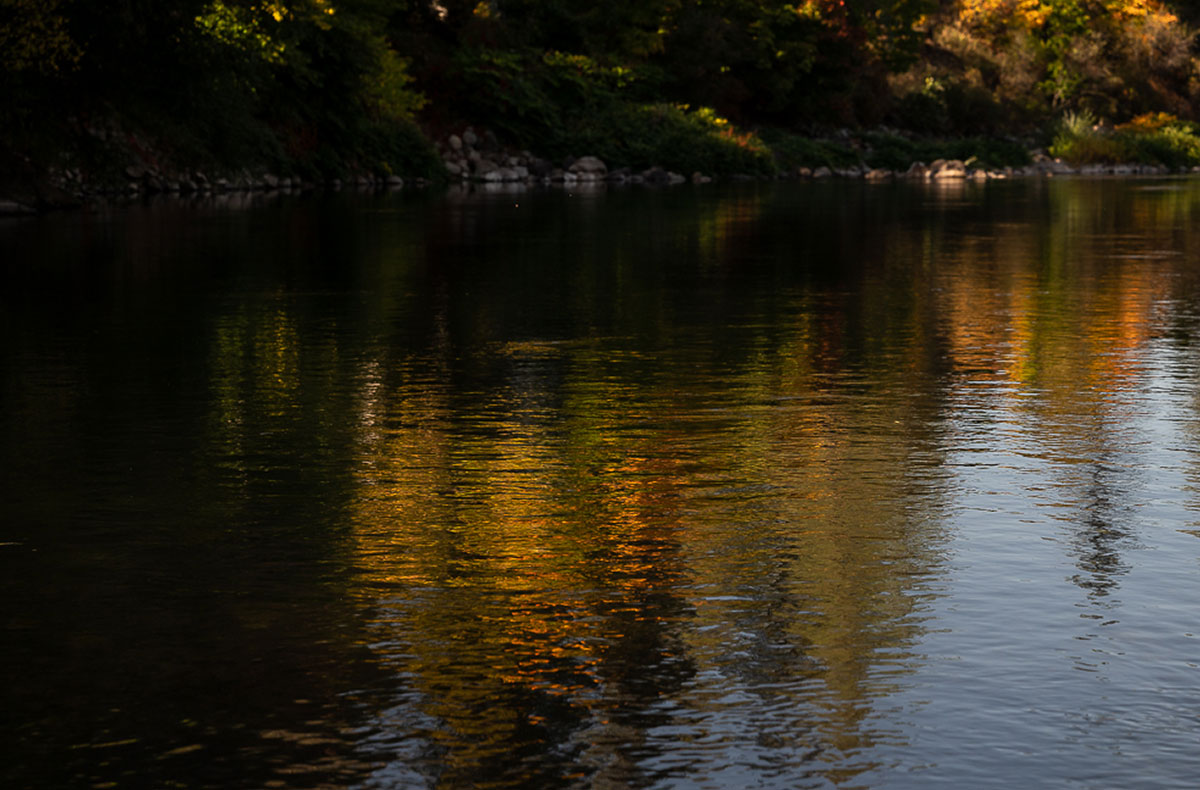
(1157, 138)
(572, 105)
(671, 136)
(793, 150)
(897, 152)
(389, 88)
(238, 29)
(34, 37)
(758, 61)
(328, 85)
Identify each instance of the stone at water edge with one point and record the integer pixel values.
(590, 165)
(10, 208)
(943, 169)
(482, 166)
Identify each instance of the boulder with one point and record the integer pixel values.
(944, 169)
(483, 166)
(455, 142)
(655, 175)
(822, 172)
(10, 208)
(589, 165)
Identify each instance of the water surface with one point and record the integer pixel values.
(787, 486)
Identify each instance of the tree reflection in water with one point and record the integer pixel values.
(794, 486)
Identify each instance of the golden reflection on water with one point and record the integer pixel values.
(596, 555)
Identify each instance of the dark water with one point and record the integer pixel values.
(801, 486)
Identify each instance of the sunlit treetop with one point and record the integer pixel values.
(34, 37)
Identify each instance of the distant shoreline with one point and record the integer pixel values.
(33, 190)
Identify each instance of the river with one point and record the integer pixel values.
(817, 485)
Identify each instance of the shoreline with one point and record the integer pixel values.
(515, 172)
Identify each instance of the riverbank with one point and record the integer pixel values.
(136, 170)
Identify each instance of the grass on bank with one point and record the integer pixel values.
(890, 150)
(1153, 139)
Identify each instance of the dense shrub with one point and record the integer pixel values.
(568, 105)
(792, 151)
(1153, 138)
(895, 151)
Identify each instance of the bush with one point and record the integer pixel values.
(570, 105)
(896, 152)
(1154, 138)
(671, 136)
(792, 151)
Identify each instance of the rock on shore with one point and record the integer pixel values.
(471, 157)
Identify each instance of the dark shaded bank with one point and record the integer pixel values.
(684, 147)
(135, 97)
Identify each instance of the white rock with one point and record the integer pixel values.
(9, 208)
(943, 169)
(588, 164)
